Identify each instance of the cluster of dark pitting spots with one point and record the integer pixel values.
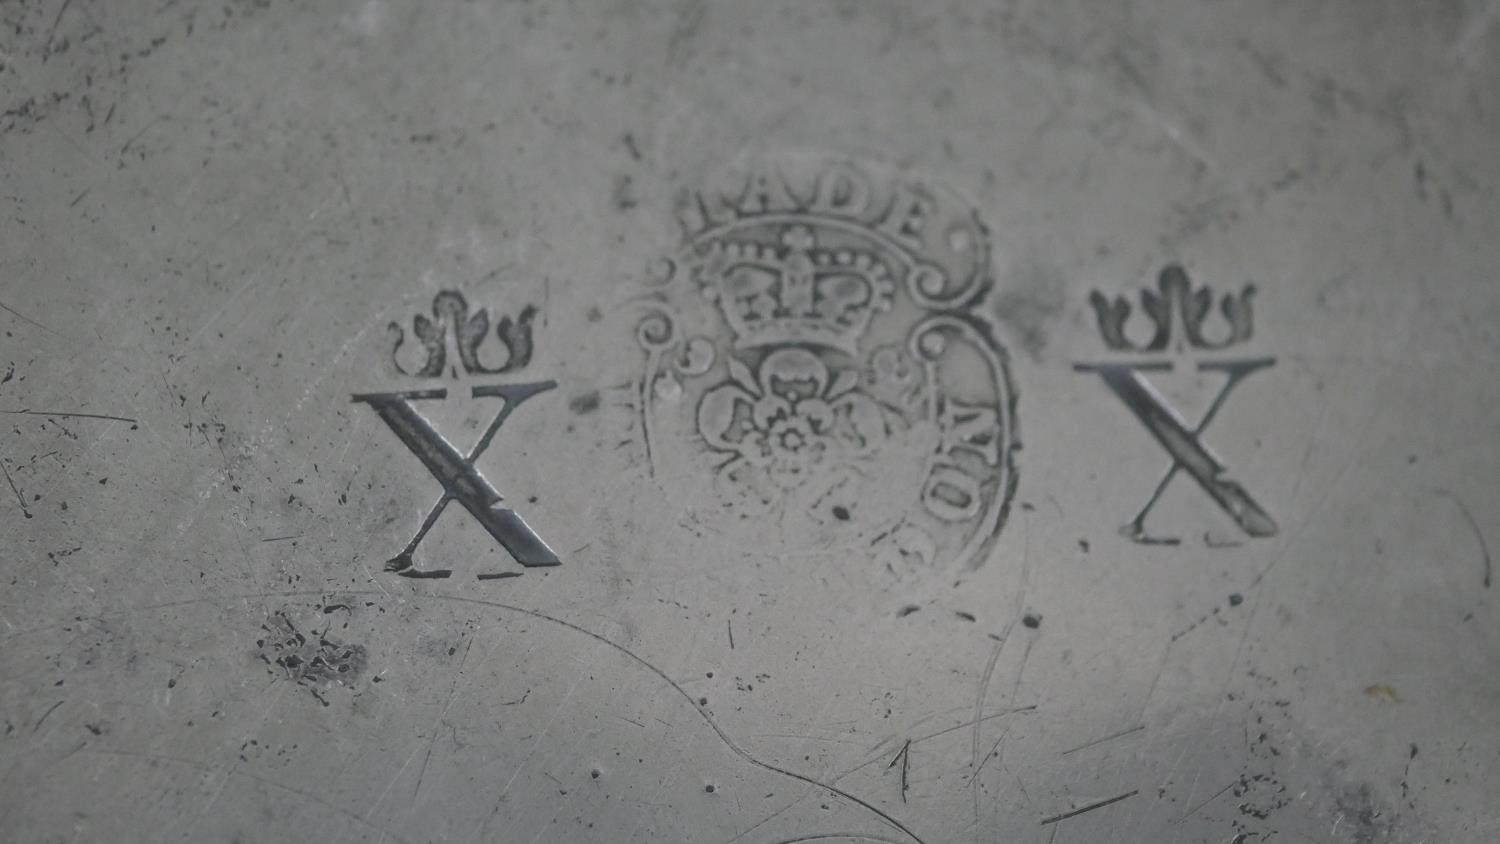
(312, 661)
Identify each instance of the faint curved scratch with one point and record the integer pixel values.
(989, 669)
(432, 741)
(984, 687)
(1484, 548)
(50, 710)
(713, 725)
(997, 752)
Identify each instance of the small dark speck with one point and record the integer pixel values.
(593, 314)
(103, 481)
(586, 403)
(1031, 620)
(966, 616)
(1236, 599)
(907, 610)
(596, 773)
(841, 513)
(709, 788)
(623, 194)
(172, 684)
(1083, 545)
(630, 146)
(703, 701)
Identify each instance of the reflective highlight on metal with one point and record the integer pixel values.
(749, 421)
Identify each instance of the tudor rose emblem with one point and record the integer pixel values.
(461, 480)
(1180, 337)
(818, 375)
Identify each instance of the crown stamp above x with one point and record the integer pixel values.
(1185, 444)
(461, 481)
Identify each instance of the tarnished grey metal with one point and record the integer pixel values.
(855, 543)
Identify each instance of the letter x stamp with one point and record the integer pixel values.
(1176, 307)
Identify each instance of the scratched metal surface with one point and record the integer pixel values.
(834, 459)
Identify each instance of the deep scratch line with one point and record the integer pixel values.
(848, 836)
(905, 766)
(71, 415)
(994, 748)
(20, 499)
(713, 725)
(1211, 799)
(50, 710)
(904, 757)
(1089, 808)
(26, 319)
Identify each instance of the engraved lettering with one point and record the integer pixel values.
(971, 427)
(1185, 444)
(1179, 313)
(908, 217)
(461, 481)
(951, 494)
(841, 192)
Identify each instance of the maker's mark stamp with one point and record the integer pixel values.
(455, 343)
(818, 374)
(1181, 337)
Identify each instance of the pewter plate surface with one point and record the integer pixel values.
(698, 421)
